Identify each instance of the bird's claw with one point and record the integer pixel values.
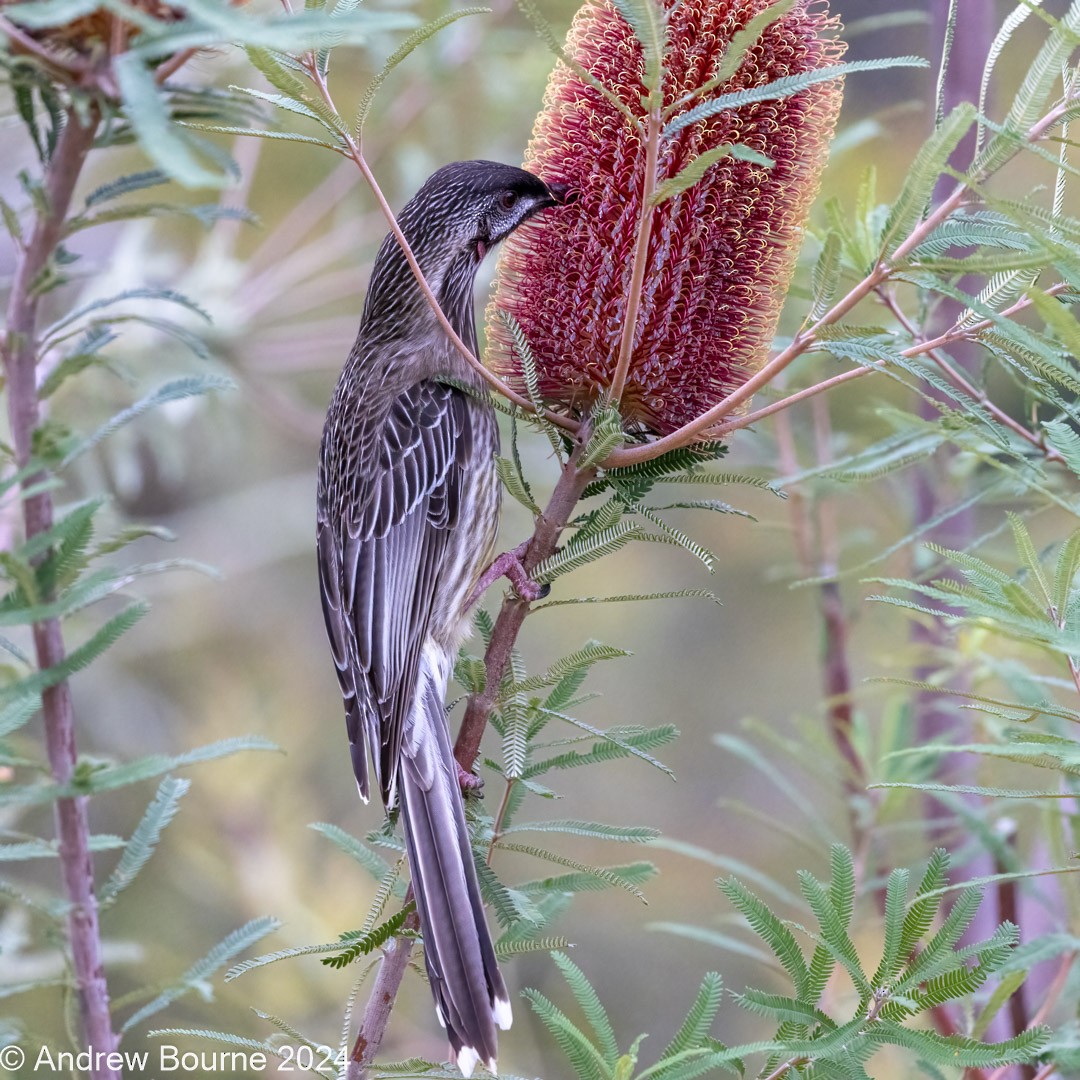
(509, 565)
(470, 783)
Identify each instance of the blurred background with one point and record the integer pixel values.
(233, 477)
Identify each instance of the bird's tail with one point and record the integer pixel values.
(470, 995)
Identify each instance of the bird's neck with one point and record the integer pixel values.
(397, 311)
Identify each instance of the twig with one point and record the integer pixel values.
(20, 357)
(961, 382)
(380, 1004)
(172, 65)
(72, 64)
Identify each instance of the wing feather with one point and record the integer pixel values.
(382, 544)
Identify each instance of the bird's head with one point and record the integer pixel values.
(466, 208)
(451, 223)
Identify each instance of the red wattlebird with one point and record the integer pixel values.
(408, 507)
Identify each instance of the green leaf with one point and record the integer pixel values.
(784, 1009)
(896, 894)
(675, 594)
(174, 390)
(173, 151)
(365, 944)
(547, 35)
(600, 876)
(1065, 571)
(515, 484)
(125, 185)
(698, 1020)
(785, 87)
(690, 174)
(959, 1051)
(11, 222)
(415, 39)
(632, 834)
(927, 900)
(770, 929)
(197, 975)
(89, 780)
(586, 1059)
(826, 276)
(578, 553)
(593, 652)
(284, 136)
(607, 434)
(742, 41)
(45, 849)
(77, 659)
(145, 837)
(46, 13)
(532, 381)
(617, 743)
(834, 934)
(648, 20)
(911, 203)
(590, 1005)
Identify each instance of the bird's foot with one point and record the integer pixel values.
(509, 565)
(470, 783)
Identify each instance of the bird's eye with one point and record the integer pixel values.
(507, 199)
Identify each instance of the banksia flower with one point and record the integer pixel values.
(721, 252)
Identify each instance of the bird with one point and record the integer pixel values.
(407, 514)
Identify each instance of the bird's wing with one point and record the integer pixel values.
(382, 540)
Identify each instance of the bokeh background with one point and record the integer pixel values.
(233, 477)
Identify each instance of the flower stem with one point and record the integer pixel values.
(24, 414)
(641, 257)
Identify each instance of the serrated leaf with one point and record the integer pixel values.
(648, 20)
(110, 777)
(690, 174)
(413, 41)
(742, 41)
(145, 838)
(784, 87)
(200, 971)
(174, 390)
(633, 834)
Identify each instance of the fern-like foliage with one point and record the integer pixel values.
(923, 968)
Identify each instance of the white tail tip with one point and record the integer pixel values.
(502, 1014)
(467, 1058)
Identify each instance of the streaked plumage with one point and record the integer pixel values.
(407, 515)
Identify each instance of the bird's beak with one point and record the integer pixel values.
(561, 194)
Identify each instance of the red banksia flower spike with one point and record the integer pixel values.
(719, 240)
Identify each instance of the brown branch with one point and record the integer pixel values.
(64, 64)
(543, 544)
(20, 360)
(380, 1004)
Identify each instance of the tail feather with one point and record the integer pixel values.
(469, 992)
